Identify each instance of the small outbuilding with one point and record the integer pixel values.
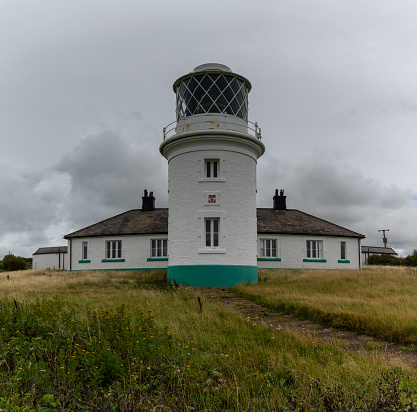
(376, 250)
(55, 257)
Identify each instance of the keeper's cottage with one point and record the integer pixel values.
(213, 235)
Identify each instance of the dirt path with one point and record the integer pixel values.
(349, 341)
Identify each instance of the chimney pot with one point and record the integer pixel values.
(148, 202)
(280, 201)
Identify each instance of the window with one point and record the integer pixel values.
(114, 249)
(268, 248)
(343, 250)
(314, 249)
(84, 251)
(212, 232)
(212, 168)
(159, 248)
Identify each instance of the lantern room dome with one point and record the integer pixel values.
(212, 66)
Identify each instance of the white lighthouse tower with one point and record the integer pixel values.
(212, 153)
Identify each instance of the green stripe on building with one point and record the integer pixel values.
(213, 275)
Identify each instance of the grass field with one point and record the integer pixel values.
(377, 301)
(129, 341)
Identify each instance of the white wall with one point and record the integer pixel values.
(50, 261)
(136, 250)
(236, 209)
(235, 189)
(292, 251)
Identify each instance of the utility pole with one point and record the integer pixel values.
(384, 239)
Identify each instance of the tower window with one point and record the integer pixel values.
(212, 168)
(212, 232)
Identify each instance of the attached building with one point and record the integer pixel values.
(286, 238)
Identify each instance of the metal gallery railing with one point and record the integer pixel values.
(253, 128)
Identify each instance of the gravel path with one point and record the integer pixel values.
(349, 341)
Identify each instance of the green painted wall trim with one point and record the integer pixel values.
(113, 260)
(156, 259)
(213, 275)
(315, 260)
(117, 269)
(84, 261)
(343, 261)
(269, 259)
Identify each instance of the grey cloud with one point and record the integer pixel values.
(31, 203)
(108, 175)
(334, 191)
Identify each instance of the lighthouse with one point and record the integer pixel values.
(212, 151)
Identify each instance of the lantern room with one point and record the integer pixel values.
(212, 88)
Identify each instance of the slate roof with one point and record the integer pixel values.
(54, 249)
(133, 222)
(289, 221)
(379, 250)
(295, 222)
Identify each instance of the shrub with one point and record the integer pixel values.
(379, 260)
(11, 262)
(411, 260)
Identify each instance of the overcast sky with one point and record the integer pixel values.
(86, 88)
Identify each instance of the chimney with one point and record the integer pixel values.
(279, 201)
(148, 202)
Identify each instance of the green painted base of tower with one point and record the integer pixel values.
(213, 275)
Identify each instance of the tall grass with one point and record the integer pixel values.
(377, 301)
(150, 347)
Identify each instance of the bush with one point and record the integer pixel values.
(11, 262)
(411, 260)
(381, 260)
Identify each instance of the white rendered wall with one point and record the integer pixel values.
(136, 252)
(292, 251)
(235, 191)
(50, 261)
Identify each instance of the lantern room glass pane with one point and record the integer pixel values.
(221, 82)
(212, 93)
